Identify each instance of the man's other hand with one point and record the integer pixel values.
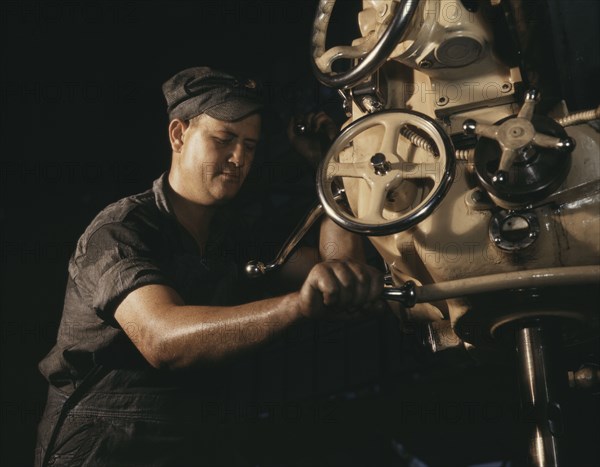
(311, 135)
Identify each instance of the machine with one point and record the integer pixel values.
(481, 195)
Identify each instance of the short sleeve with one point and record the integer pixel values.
(114, 260)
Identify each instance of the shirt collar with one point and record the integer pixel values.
(159, 188)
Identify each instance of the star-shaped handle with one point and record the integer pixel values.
(516, 136)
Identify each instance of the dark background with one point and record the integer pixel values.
(83, 124)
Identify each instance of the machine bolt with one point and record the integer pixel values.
(442, 101)
(379, 163)
(425, 64)
(506, 87)
(371, 104)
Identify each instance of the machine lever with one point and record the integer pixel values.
(257, 268)
(409, 293)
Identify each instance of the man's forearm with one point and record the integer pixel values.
(172, 335)
(210, 334)
(336, 243)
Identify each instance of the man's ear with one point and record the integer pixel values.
(176, 129)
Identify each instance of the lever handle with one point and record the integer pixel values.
(257, 268)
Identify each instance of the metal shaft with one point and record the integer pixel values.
(543, 277)
(540, 382)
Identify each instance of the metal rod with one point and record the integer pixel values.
(539, 380)
(546, 277)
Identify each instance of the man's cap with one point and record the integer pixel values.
(198, 90)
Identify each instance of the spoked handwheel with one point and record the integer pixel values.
(385, 171)
(374, 51)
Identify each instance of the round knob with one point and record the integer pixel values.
(469, 126)
(255, 269)
(566, 144)
(532, 95)
(500, 177)
(300, 129)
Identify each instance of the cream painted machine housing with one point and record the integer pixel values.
(446, 68)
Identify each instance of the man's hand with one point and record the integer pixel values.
(311, 135)
(173, 335)
(335, 287)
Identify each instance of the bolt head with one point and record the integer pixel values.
(378, 158)
(379, 163)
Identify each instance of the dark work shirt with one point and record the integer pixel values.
(135, 242)
(106, 404)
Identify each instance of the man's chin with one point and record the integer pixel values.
(225, 197)
(221, 201)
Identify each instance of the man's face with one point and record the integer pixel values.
(215, 158)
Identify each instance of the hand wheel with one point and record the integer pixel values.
(373, 52)
(385, 171)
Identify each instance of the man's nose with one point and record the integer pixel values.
(238, 155)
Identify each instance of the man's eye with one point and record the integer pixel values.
(250, 146)
(223, 140)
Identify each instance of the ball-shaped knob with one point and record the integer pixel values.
(500, 177)
(566, 144)
(469, 126)
(533, 95)
(300, 129)
(255, 269)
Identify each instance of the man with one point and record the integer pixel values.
(150, 322)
